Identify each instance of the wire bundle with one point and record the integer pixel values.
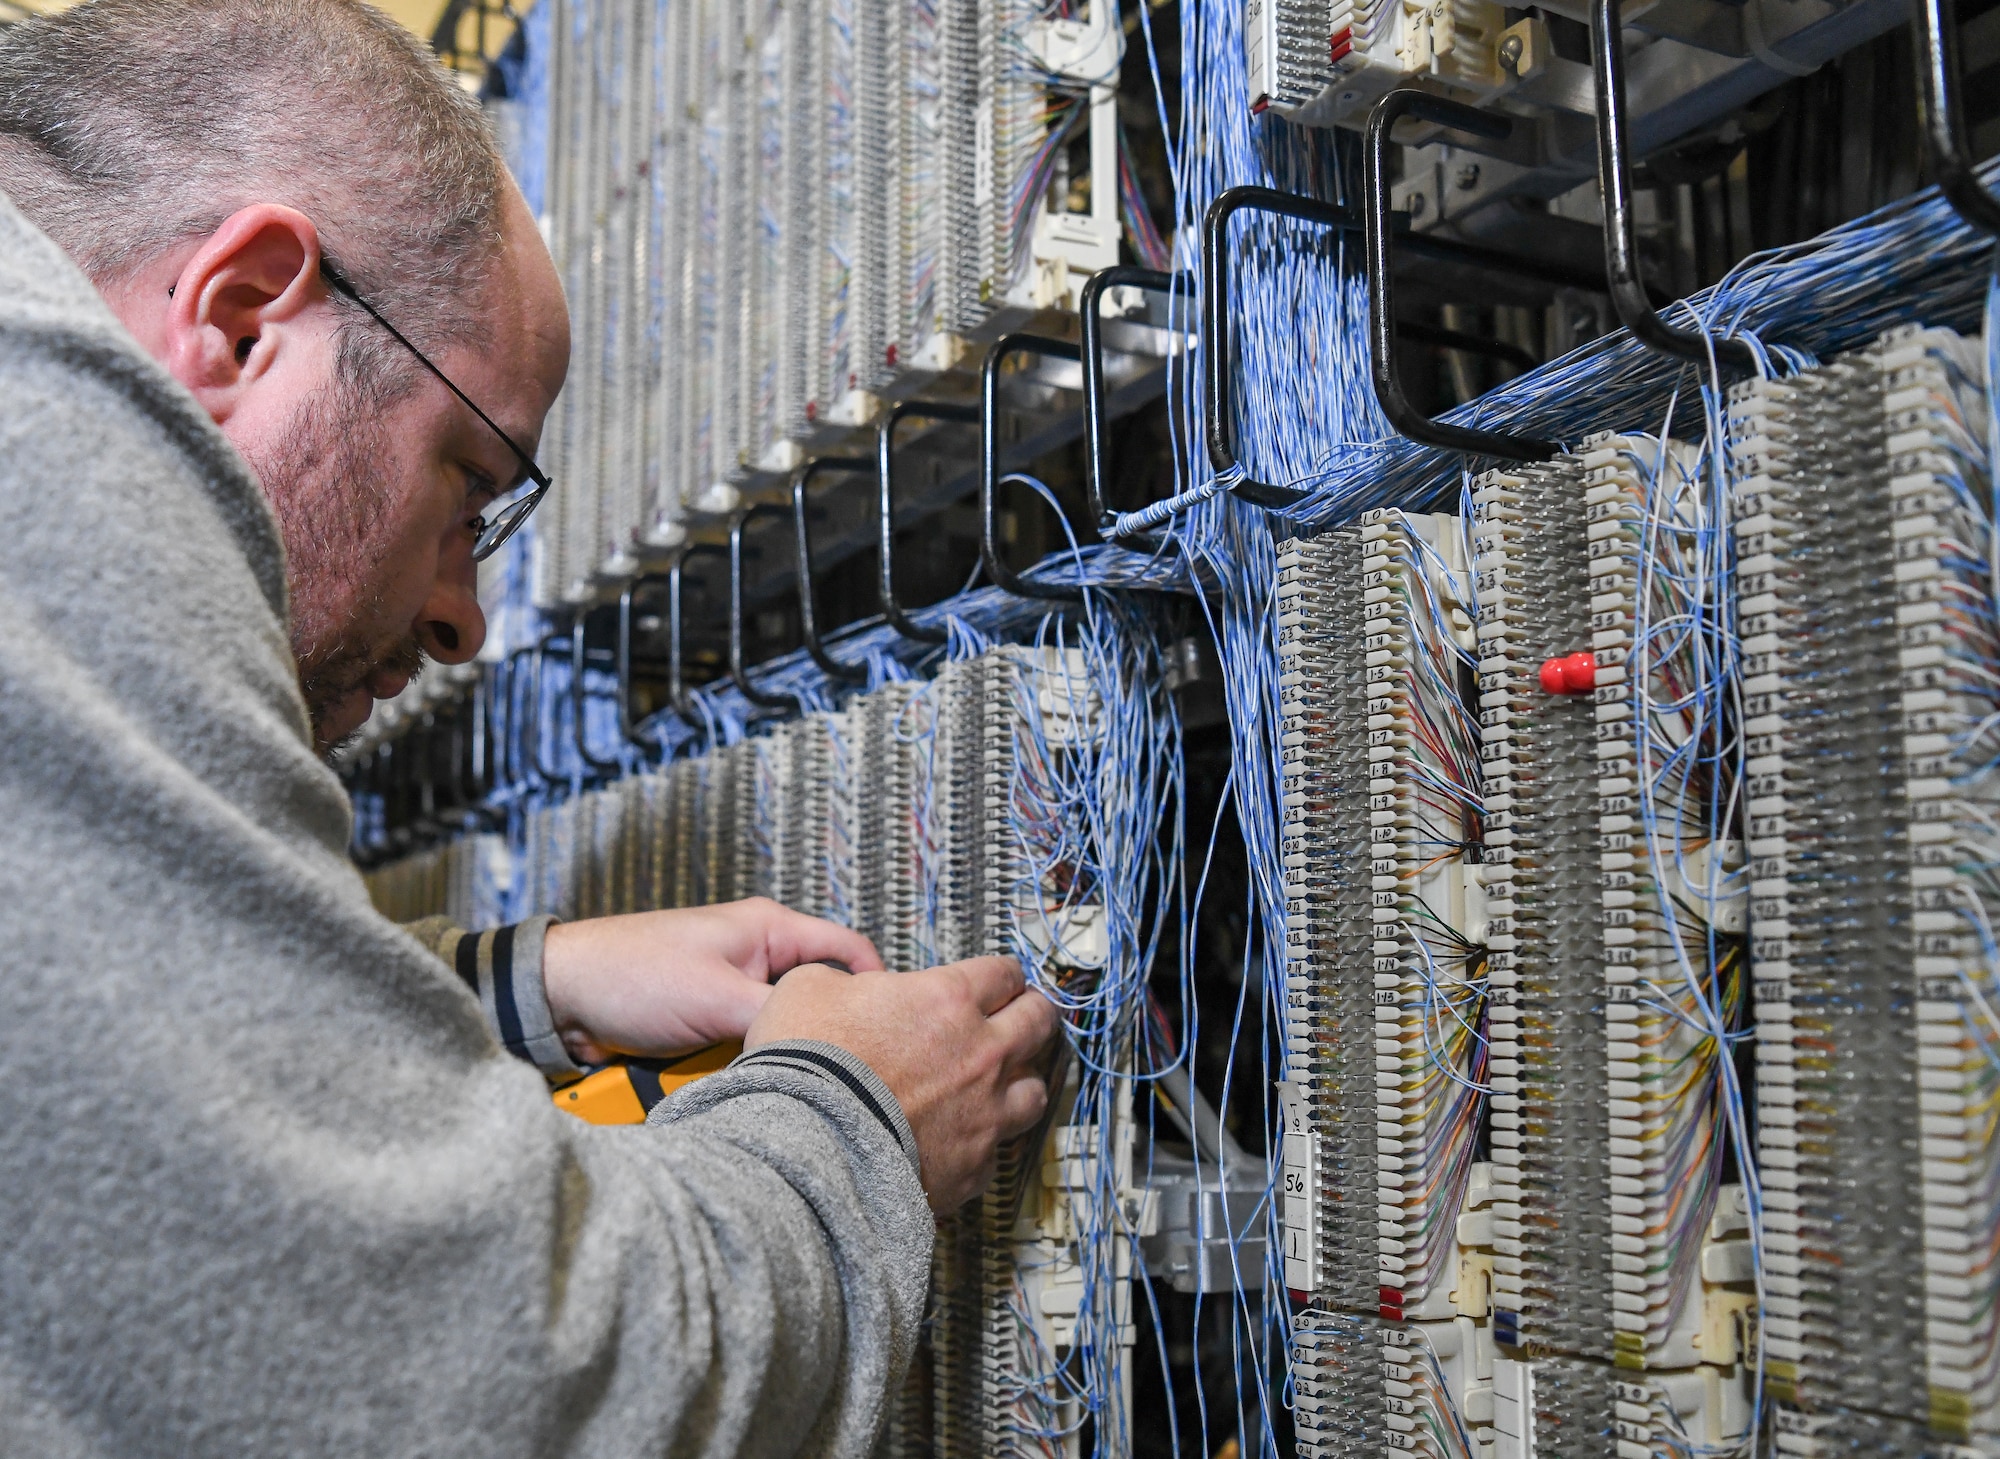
(1425, 802)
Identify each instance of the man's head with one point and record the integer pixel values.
(197, 158)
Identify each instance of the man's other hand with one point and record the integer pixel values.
(961, 1047)
(655, 983)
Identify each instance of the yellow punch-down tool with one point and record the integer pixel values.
(624, 1094)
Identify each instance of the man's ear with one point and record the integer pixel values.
(236, 303)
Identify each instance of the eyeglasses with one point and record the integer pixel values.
(493, 527)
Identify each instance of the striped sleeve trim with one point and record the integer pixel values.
(506, 1007)
(466, 960)
(837, 1065)
(503, 968)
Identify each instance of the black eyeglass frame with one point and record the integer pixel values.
(489, 536)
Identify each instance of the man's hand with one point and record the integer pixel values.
(657, 982)
(961, 1048)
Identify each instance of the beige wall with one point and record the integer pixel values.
(419, 15)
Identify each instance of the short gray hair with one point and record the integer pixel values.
(127, 126)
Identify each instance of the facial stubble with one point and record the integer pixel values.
(338, 522)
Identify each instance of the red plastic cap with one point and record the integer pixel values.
(1570, 674)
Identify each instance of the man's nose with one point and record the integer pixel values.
(452, 626)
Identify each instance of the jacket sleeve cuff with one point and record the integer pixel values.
(503, 968)
(782, 1064)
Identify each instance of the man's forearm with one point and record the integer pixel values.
(861, 1187)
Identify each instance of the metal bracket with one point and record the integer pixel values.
(385, 771)
(1124, 276)
(1943, 114)
(885, 433)
(1406, 418)
(1621, 233)
(832, 667)
(1220, 426)
(533, 717)
(576, 699)
(737, 673)
(677, 695)
(1003, 576)
(422, 739)
(482, 742)
(466, 719)
(677, 699)
(1215, 348)
(511, 763)
(626, 728)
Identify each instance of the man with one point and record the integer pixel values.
(273, 1185)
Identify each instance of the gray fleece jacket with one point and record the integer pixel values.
(271, 1186)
